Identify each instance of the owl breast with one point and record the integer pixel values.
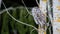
(38, 16)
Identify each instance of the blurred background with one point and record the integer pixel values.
(9, 25)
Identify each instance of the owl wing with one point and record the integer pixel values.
(38, 16)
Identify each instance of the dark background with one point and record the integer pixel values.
(14, 3)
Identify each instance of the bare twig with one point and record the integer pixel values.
(18, 20)
(26, 8)
(32, 31)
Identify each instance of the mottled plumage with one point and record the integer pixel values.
(39, 16)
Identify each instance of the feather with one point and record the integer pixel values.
(39, 16)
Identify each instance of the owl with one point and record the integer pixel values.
(39, 16)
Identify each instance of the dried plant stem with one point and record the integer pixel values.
(39, 30)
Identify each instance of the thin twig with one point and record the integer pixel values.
(18, 20)
(32, 31)
(26, 7)
(37, 3)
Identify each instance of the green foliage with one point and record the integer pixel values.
(9, 26)
(5, 24)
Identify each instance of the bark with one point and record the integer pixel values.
(43, 9)
(56, 17)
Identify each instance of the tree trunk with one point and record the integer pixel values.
(43, 9)
(56, 16)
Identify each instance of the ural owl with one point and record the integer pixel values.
(39, 16)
